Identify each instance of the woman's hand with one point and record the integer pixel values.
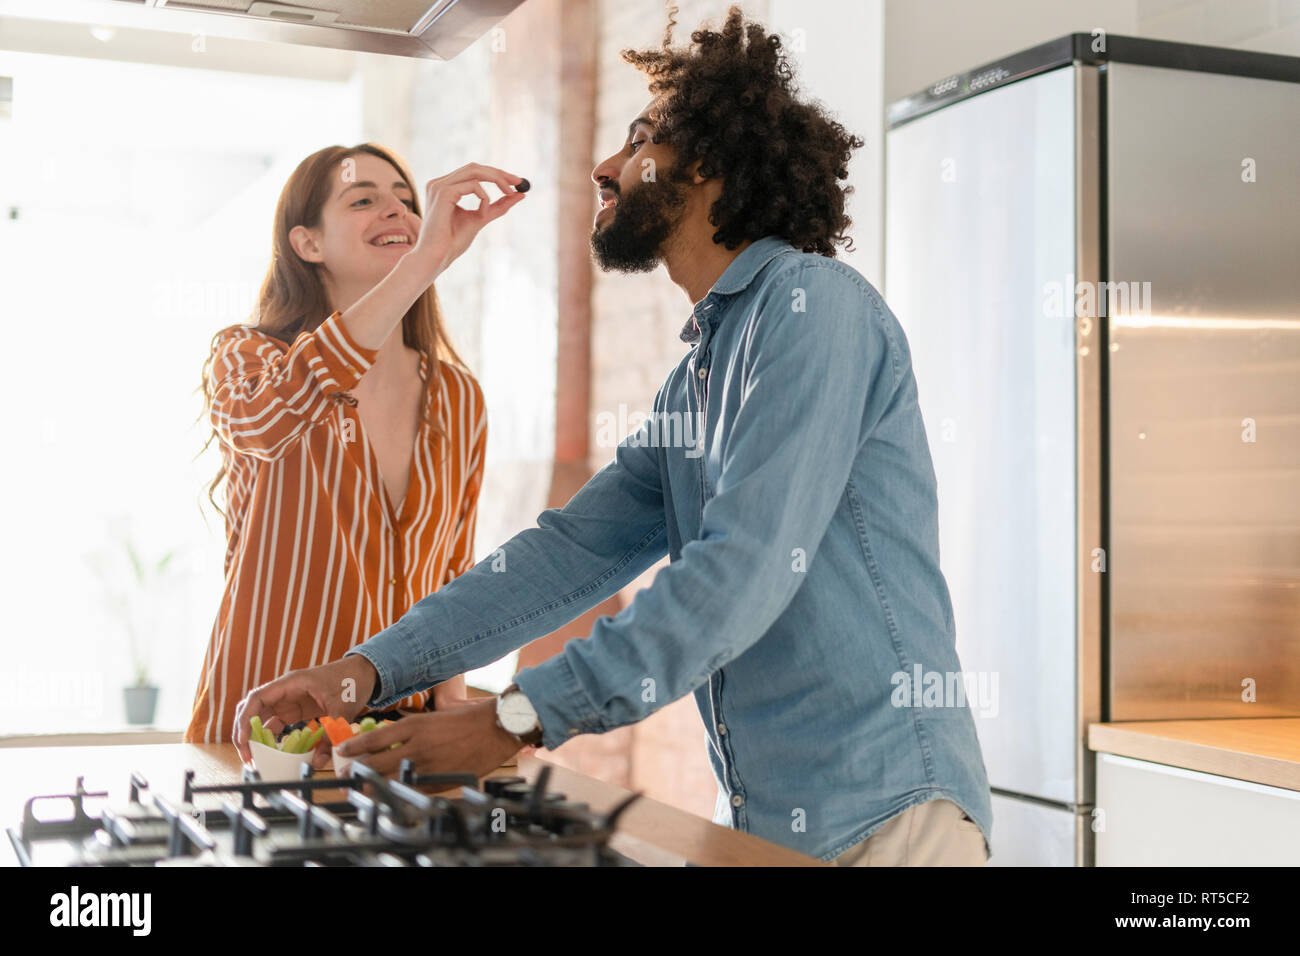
(340, 689)
(448, 229)
(464, 739)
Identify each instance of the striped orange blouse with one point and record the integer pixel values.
(316, 560)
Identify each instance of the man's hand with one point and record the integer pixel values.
(465, 739)
(340, 689)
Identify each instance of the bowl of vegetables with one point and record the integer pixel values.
(340, 730)
(281, 759)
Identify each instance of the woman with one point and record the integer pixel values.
(351, 434)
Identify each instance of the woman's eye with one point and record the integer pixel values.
(409, 203)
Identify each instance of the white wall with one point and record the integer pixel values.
(926, 40)
(838, 48)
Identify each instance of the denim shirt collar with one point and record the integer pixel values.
(736, 278)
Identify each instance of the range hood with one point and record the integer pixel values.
(433, 29)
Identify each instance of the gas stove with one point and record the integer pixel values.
(409, 821)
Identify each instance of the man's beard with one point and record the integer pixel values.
(640, 223)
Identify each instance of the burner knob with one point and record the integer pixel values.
(496, 786)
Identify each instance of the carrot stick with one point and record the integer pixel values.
(338, 729)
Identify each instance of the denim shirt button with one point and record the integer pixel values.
(702, 373)
(722, 729)
(737, 800)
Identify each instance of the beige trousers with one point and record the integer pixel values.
(935, 833)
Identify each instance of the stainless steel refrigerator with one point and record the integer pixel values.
(1094, 250)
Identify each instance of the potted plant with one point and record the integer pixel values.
(146, 579)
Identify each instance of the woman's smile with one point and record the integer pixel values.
(393, 238)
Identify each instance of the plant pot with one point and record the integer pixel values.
(141, 702)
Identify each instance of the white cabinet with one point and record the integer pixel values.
(1155, 815)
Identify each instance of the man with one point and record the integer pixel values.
(786, 472)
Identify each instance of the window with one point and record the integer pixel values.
(135, 212)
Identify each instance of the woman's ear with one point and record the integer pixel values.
(304, 243)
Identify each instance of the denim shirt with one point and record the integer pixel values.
(786, 473)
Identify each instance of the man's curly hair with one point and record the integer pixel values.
(730, 102)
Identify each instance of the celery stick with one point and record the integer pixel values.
(314, 739)
(258, 733)
(367, 724)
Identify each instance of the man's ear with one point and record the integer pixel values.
(304, 243)
(693, 171)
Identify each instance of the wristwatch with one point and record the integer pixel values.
(516, 716)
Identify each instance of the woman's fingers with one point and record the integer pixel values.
(501, 206)
(489, 174)
(472, 173)
(448, 228)
(258, 703)
(451, 194)
(448, 195)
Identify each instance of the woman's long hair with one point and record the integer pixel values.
(292, 298)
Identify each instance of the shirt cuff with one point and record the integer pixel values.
(562, 706)
(345, 360)
(395, 655)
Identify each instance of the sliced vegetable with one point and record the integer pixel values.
(258, 731)
(337, 728)
(314, 739)
(367, 723)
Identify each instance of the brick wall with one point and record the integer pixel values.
(635, 323)
(499, 102)
(496, 103)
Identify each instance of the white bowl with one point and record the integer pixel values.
(274, 764)
(341, 763)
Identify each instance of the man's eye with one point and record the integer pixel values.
(635, 143)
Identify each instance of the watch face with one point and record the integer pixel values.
(516, 713)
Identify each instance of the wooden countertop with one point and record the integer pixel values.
(649, 832)
(1260, 749)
